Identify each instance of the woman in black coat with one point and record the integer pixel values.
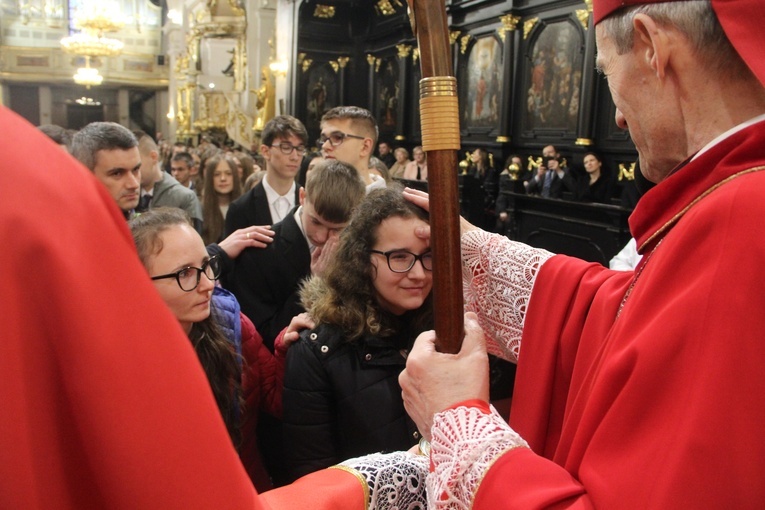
(341, 393)
(595, 186)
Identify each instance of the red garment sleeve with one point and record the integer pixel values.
(327, 489)
(540, 483)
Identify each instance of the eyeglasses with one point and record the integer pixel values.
(402, 261)
(336, 138)
(287, 148)
(188, 277)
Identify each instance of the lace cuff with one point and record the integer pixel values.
(465, 443)
(498, 275)
(395, 480)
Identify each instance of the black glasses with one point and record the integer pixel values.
(401, 261)
(287, 148)
(188, 277)
(336, 138)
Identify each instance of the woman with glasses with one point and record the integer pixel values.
(243, 374)
(341, 392)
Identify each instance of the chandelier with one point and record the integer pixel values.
(96, 21)
(87, 75)
(92, 46)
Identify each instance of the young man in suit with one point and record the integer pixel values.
(283, 145)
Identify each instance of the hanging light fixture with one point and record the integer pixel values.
(87, 75)
(95, 21)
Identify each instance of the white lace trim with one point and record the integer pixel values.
(498, 275)
(396, 480)
(465, 443)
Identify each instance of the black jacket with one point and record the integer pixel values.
(342, 400)
(251, 209)
(266, 280)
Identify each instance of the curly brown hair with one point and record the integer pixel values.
(345, 295)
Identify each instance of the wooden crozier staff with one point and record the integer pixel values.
(439, 115)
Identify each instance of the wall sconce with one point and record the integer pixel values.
(279, 67)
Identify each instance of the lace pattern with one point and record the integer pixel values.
(396, 480)
(465, 443)
(498, 275)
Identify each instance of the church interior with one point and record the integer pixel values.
(187, 69)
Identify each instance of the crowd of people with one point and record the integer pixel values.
(137, 363)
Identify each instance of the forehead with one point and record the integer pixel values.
(398, 232)
(604, 48)
(291, 138)
(117, 158)
(179, 163)
(222, 165)
(331, 125)
(181, 246)
(316, 217)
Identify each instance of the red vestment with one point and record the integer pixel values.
(659, 404)
(103, 403)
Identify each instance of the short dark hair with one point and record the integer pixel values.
(360, 117)
(99, 136)
(56, 133)
(184, 156)
(283, 126)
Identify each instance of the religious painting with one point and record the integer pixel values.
(553, 78)
(481, 84)
(321, 93)
(388, 88)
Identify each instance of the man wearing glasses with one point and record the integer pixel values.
(283, 145)
(349, 134)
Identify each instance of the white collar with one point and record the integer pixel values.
(273, 195)
(376, 182)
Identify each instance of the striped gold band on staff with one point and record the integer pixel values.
(439, 113)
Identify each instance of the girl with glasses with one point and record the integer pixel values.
(243, 374)
(341, 392)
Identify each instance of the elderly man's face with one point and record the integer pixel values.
(646, 104)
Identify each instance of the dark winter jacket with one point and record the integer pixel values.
(342, 399)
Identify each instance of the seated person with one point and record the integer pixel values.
(402, 159)
(596, 185)
(551, 180)
(341, 393)
(417, 170)
(184, 275)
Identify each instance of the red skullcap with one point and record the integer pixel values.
(742, 21)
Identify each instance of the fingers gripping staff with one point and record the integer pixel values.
(439, 115)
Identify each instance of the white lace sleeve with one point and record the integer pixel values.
(465, 443)
(498, 275)
(395, 480)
